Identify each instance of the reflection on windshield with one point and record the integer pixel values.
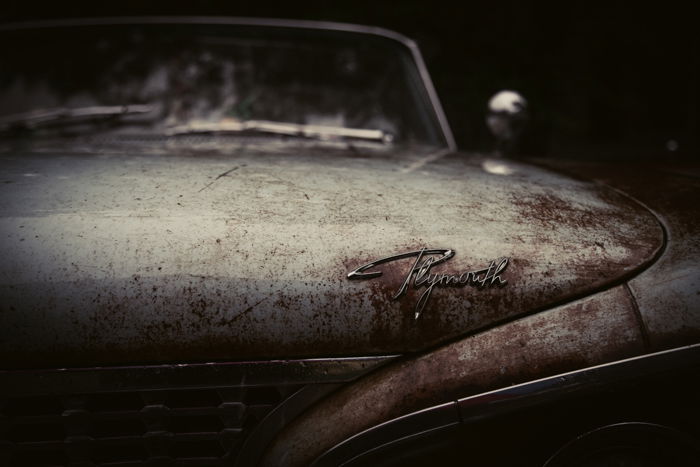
(196, 75)
(38, 117)
(323, 132)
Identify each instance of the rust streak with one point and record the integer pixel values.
(221, 175)
(637, 314)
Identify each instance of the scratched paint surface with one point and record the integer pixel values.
(583, 333)
(113, 259)
(668, 293)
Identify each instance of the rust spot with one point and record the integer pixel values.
(585, 333)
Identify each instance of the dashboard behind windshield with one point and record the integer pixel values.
(202, 74)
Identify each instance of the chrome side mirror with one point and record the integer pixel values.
(506, 119)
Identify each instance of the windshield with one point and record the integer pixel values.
(213, 78)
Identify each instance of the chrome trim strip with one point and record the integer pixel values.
(425, 160)
(503, 400)
(679, 438)
(223, 20)
(270, 22)
(434, 99)
(399, 429)
(186, 376)
(264, 432)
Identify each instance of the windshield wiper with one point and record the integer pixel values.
(281, 128)
(36, 118)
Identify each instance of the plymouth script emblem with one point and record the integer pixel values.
(420, 274)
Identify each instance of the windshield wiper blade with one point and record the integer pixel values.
(281, 128)
(40, 117)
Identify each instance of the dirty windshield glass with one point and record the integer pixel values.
(182, 79)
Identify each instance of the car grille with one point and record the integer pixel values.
(202, 427)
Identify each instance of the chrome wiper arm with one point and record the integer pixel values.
(39, 117)
(281, 128)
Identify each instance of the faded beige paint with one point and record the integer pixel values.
(114, 259)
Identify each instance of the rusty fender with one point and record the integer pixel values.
(587, 332)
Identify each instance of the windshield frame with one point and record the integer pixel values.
(417, 59)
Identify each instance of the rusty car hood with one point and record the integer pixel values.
(121, 259)
(667, 294)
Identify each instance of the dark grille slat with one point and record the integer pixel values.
(106, 416)
(194, 411)
(38, 445)
(93, 416)
(199, 461)
(201, 436)
(121, 415)
(188, 427)
(117, 440)
(35, 419)
(196, 436)
(138, 463)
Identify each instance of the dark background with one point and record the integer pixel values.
(615, 80)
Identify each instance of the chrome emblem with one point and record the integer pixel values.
(420, 276)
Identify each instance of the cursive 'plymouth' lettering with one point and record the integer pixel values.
(420, 274)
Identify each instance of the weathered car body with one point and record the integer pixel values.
(219, 303)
